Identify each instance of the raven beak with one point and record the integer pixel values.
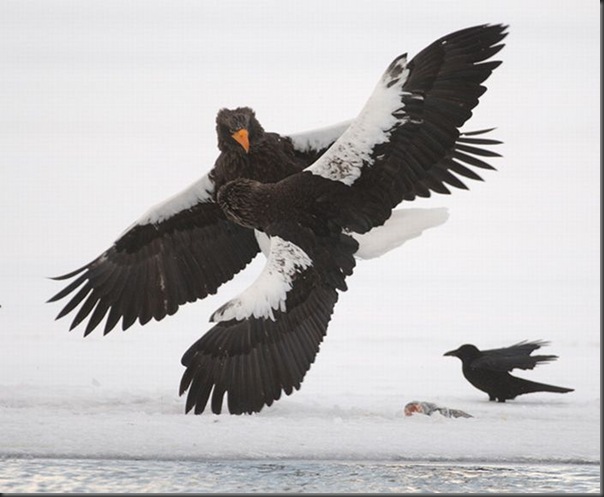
(451, 353)
(242, 137)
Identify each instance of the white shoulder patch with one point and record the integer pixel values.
(200, 191)
(269, 292)
(382, 112)
(318, 139)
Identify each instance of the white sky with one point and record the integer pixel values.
(108, 107)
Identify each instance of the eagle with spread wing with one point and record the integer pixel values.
(310, 201)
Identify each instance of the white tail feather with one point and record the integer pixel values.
(403, 225)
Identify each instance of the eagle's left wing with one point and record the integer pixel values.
(265, 340)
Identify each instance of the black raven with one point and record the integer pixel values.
(488, 370)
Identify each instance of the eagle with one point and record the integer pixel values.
(311, 202)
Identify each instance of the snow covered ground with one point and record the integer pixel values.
(109, 107)
(116, 397)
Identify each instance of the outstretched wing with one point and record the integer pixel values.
(406, 140)
(179, 251)
(266, 339)
(517, 356)
(522, 348)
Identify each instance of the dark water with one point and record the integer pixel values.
(291, 476)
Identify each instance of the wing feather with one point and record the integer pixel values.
(254, 354)
(177, 252)
(406, 141)
(517, 356)
(311, 144)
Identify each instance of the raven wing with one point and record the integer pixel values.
(179, 251)
(517, 356)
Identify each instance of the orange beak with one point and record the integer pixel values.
(242, 137)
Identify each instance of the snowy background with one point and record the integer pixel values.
(108, 107)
